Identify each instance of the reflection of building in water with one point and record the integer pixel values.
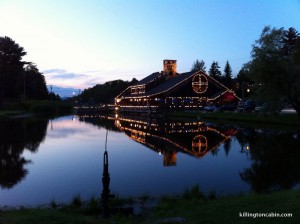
(169, 137)
(170, 158)
(199, 144)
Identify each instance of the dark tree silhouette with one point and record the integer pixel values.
(276, 75)
(18, 78)
(11, 68)
(289, 41)
(227, 146)
(243, 77)
(214, 71)
(35, 84)
(105, 93)
(15, 136)
(227, 75)
(275, 164)
(198, 65)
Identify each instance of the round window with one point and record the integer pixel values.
(199, 83)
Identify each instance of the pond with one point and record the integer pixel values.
(42, 159)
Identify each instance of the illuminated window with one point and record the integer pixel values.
(199, 83)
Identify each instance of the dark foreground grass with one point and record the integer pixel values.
(227, 209)
(58, 216)
(10, 113)
(192, 206)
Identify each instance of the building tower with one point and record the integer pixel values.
(170, 68)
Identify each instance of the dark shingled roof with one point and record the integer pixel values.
(147, 79)
(167, 84)
(170, 83)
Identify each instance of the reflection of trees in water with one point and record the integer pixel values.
(276, 159)
(227, 146)
(101, 122)
(15, 136)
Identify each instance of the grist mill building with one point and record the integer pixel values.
(169, 90)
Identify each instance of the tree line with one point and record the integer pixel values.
(272, 74)
(104, 93)
(214, 72)
(274, 68)
(19, 80)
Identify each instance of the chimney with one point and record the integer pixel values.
(170, 68)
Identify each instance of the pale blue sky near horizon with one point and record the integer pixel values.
(78, 43)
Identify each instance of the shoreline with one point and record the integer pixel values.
(246, 118)
(190, 207)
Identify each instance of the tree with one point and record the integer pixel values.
(198, 65)
(214, 71)
(19, 78)
(274, 69)
(227, 76)
(243, 78)
(244, 74)
(11, 68)
(293, 75)
(105, 93)
(289, 41)
(34, 83)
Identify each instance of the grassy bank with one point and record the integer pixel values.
(227, 209)
(256, 118)
(191, 207)
(57, 216)
(11, 113)
(44, 107)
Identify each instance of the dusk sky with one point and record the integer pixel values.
(82, 43)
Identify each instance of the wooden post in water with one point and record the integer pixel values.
(105, 182)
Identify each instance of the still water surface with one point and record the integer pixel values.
(43, 160)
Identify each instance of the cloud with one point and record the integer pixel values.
(69, 76)
(85, 79)
(78, 80)
(62, 74)
(55, 70)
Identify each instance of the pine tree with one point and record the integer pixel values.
(214, 71)
(227, 78)
(289, 41)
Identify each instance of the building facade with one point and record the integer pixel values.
(169, 90)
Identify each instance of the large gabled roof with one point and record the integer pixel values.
(164, 85)
(169, 83)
